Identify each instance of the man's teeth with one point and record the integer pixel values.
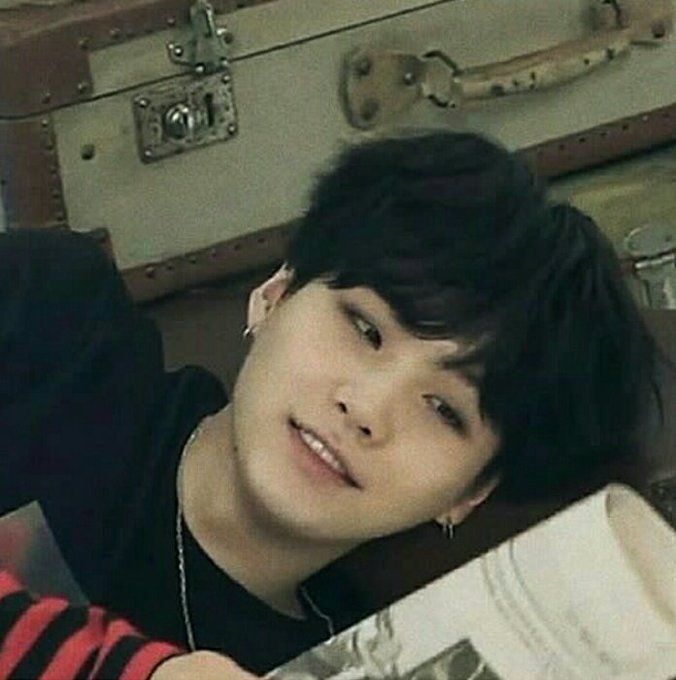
(318, 447)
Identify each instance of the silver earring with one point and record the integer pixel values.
(447, 528)
(247, 333)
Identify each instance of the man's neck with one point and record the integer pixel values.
(249, 547)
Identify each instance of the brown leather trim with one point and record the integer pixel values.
(208, 264)
(32, 192)
(43, 49)
(603, 143)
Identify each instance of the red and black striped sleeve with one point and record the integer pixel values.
(49, 639)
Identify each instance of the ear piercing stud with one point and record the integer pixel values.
(447, 528)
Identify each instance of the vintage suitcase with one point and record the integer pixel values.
(186, 134)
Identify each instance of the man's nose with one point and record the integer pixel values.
(367, 408)
(366, 430)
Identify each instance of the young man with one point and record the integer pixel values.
(438, 330)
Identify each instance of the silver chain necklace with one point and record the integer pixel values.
(182, 572)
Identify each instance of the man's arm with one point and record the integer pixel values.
(49, 639)
(78, 366)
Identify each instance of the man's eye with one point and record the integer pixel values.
(446, 412)
(365, 328)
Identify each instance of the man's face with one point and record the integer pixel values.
(346, 426)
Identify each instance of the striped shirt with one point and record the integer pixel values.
(49, 639)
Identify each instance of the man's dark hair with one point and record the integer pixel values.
(456, 235)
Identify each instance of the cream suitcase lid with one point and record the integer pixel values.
(176, 218)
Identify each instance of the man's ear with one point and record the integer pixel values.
(264, 298)
(462, 508)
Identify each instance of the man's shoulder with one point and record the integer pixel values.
(52, 254)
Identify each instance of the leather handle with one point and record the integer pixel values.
(378, 86)
(544, 69)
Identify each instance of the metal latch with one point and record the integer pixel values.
(191, 111)
(207, 47)
(653, 251)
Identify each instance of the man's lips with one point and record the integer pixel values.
(325, 451)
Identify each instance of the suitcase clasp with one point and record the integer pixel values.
(653, 252)
(192, 111)
(207, 49)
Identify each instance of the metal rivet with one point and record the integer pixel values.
(46, 97)
(115, 33)
(83, 43)
(82, 87)
(226, 78)
(232, 128)
(147, 153)
(87, 152)
(142, 102)
(200, 69)
(363, 65)
(150, 272)
(171, 21)
(659, 30)
(177, 50)
(45, 122)
(409, 78)
(369, 109)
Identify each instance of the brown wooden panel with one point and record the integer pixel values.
(32, 193)
(208, 264)
(602, 143)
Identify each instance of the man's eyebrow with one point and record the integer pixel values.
(467, 371)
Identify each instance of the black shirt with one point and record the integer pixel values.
(92, 426)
